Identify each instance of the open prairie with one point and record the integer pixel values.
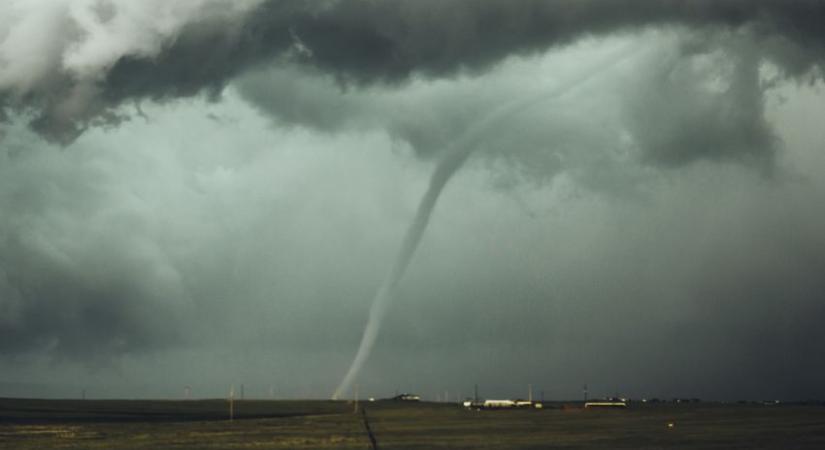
(38, 424)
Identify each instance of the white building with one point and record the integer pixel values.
(499, 404)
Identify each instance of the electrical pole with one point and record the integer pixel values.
(356, 400)
(231, 403)
(530, 393)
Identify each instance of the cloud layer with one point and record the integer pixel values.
(229, 183)
(98, 54)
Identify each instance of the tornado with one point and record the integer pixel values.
(452, 160)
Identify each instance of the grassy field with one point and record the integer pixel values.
(39, 424)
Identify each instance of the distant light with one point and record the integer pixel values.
(670, 425)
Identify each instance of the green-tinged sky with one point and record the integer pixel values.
(210, 193)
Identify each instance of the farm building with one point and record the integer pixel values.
(607, 404)
(407, 398)
(499, 404)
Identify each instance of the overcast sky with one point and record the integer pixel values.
(211, 192)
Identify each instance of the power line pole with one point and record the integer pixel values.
(356, 400)
(231, 403)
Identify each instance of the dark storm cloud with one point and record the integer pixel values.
(703, 102)
(80, 278)
(118, 250)
(386, 43)
(665, 98)
(78, 310)
(363, 42)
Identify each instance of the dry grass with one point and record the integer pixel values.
(318, 425)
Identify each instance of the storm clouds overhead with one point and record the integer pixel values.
(210, 192)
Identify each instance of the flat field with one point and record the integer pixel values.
(202, 424)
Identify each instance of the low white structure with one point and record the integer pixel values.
(499, 404)
(496, 404)
(606, 404)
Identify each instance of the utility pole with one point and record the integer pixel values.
(530, 393)
(475, 396)
(241, 391)
(355, 400)
(231, 403)
(585, 393)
